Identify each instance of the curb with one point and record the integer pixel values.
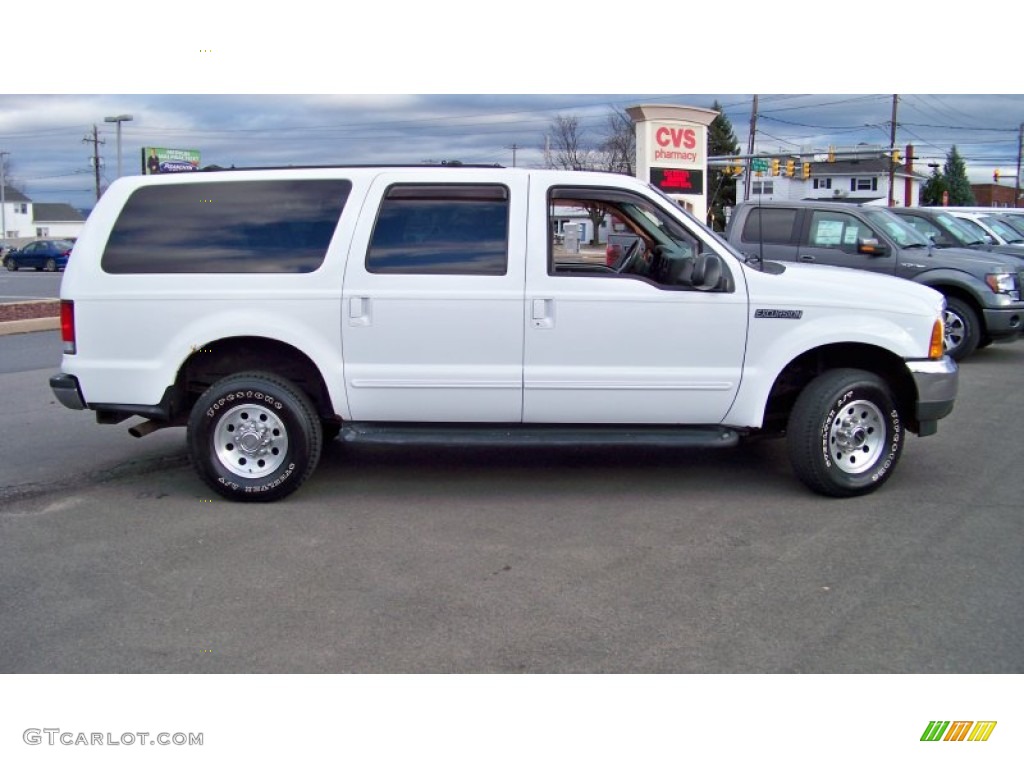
(29, 316)
(11, 327)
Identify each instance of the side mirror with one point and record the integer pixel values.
(870, 246)
(707, 271)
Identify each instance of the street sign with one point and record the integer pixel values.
(759, 164)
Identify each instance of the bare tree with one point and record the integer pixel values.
(619, 145)
(566, 146)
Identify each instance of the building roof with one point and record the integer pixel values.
(12, 195)
(872, 165)
(55, 212)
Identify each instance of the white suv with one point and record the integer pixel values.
(267, 310)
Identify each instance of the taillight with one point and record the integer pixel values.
(67, 326)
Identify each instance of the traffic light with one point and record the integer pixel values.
(807, 170)
(775, 166)
(995, 175)
(831, 154)
(896, 156)
(791, 168)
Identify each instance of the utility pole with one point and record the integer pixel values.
(747, 177)
(1016, 187)
(514, 147)
(95, 140)
(892, 153)
(3, 196)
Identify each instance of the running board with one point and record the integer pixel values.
(381, 433)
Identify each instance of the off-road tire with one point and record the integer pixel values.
(254, 436)
(845, 433)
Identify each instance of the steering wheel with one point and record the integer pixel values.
(630, 257)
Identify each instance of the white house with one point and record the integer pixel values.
(17, 214)
(24, 220)
(56, 220)
(858, 180)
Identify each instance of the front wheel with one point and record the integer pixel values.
(254, 437)
(963, 330)
(51, 265)
(845, 434)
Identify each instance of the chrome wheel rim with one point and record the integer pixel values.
(251, 441)
(857, 437)
(955, 330)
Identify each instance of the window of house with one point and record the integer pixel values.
(42, 231)
(823, 183)
(762, 187)
(864, 184)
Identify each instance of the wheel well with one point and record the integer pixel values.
(955, 292)
(803, 369)
(223, 357)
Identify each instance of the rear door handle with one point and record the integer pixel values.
(543, 313)
(806, 257)
(359, 311)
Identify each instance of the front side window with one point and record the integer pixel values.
(441, 229)
(636, 240)
(834, 229)
(278, 226)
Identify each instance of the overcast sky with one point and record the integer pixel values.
(199, 79)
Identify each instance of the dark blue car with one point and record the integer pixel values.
(50, 255)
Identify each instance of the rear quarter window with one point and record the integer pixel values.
(276, 226)
(770, 225)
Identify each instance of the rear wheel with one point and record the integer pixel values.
(254, 437)
(11, 264)
(845, 433)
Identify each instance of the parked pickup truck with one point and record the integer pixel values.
(268, 310)
(982, 290)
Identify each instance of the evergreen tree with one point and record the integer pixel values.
(931, 192)
(721, 188)
(955, 173)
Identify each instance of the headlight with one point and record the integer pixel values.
(1003, 282)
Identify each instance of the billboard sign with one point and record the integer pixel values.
(161, 160)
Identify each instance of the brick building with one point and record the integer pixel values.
(993, 195)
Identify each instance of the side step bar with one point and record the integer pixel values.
(382, 433)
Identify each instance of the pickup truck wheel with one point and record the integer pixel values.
(963, 331)
(254, 437)
(845, 433)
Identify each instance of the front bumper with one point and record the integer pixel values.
(937, 382)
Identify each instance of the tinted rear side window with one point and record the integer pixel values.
(227, 227)
(770, 225)
(452, 229)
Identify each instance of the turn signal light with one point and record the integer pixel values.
(936, 347)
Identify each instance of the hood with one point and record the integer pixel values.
(982, 260)
(818, 285)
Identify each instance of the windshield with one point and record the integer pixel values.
(954, 226)
(1005, 231)
(976, 229)
(896, 228)
(696, 223)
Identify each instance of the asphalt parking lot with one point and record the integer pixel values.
(115, 558)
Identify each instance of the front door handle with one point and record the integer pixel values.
(806, 257)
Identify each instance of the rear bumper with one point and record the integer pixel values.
(937, 382)
(65, 389)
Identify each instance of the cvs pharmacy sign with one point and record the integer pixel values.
(675, 144)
